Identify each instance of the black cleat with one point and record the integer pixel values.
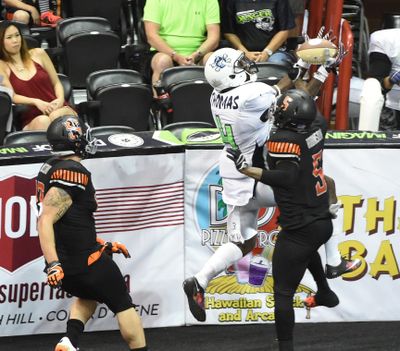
(345, 266)
(195, 296)
(325, 298)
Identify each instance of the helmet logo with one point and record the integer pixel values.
(220, 62)
(286, 102)
(73, 129)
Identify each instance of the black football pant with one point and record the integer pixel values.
(295, 251)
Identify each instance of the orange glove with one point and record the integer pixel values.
(117, 247)
(55, 274)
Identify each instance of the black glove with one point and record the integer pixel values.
(237, 157)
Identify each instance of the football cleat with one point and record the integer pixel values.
(345, 266)
(325, 298)
(65, 345)
(195, 296)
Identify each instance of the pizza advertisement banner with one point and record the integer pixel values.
(368, 222)
(140, 203)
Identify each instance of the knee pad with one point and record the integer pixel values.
(371, 103)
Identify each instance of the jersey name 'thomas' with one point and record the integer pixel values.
(307, 199)
(75, 233)
(221, 101)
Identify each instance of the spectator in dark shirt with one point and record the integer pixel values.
(258, 28)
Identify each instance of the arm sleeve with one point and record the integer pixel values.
(285, 174)
(228, 17)
(213, 16)
(285, 16)
(151, 11)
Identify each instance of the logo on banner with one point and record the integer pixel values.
(249, 277)
(125, 140)
(19, 242)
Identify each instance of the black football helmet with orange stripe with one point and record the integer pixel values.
(68, 136)
(295, 110)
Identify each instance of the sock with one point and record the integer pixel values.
(74, 330)
(44, 6)
(317, 271)
(222, 258)
(333, 257)
(144, 348)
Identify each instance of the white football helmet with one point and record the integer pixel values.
(229, 68)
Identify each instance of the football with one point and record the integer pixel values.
(316, 51)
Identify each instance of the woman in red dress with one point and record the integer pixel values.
(33, 78)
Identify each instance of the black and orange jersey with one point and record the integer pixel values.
(304, 198)
(75, 233)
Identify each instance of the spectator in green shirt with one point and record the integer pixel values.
(180, 32)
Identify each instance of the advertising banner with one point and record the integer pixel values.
(140, 203)
(368, 228)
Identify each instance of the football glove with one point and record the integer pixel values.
(237, 157)
(332, 63)
(394, 78)
(55, 274)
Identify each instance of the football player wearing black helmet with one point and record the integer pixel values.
(295, 173)
(295, 110)
(76, 260)
(67, 135)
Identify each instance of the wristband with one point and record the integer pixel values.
(268, 51)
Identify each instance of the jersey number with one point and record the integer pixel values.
(321, 186)
(226, 133)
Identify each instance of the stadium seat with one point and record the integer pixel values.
(5, 109)
(88, 44)
(111, 10)
(117, 97)
(25, 137)
(189, 94)
(271, 73)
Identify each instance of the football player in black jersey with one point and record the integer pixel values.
(76, 260)
(295, 154)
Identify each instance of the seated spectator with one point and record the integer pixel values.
(259, 28)
(31, 12)
(380, 96)
(180, 32)
(33, 78)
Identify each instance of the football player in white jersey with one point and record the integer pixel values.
(383, 83)
(242, 110)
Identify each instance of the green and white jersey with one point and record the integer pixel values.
(242, 115)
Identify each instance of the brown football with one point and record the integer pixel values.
(316, 51)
